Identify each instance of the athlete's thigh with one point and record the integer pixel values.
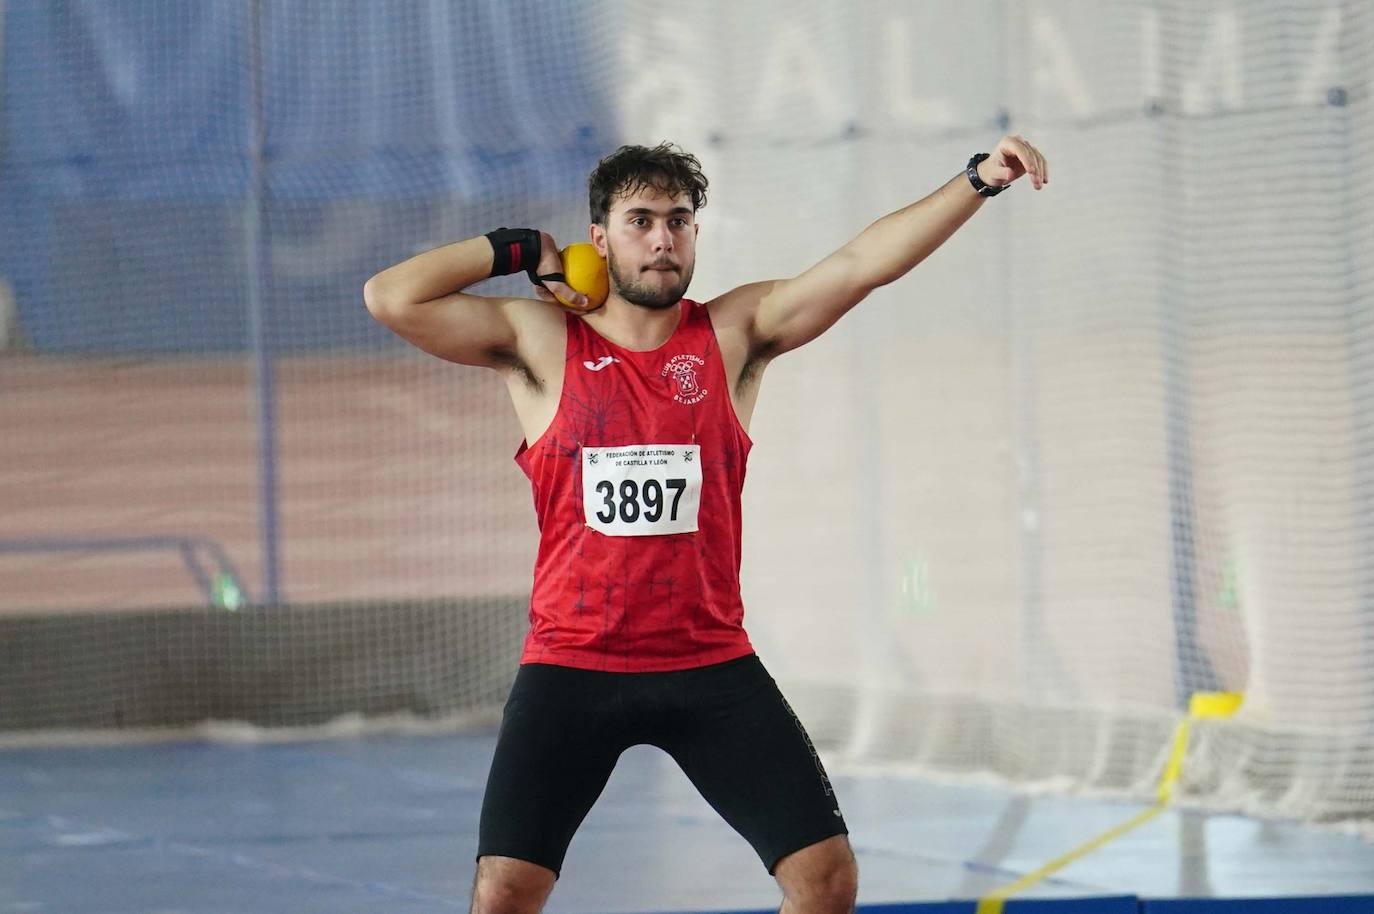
(561, 733)
(743, 747)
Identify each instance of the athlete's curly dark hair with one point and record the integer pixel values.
(666, 168)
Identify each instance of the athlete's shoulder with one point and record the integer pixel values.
(734, 311)
(534, 315)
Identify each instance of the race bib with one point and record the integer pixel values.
(642, 489)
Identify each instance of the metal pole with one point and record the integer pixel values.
(1193, 671)
(1360, 329)
(264, 372)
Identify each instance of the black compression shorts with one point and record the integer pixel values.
(726, 725)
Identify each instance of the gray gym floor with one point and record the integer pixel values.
(389, 823)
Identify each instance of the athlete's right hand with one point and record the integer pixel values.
(553, 291)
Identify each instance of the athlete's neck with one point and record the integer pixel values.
(632, 326)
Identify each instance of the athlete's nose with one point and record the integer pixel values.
(663, 239)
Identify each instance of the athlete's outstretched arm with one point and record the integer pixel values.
(780, 315)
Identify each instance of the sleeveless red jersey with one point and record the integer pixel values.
(637, 492)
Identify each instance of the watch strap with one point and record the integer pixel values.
(984, 189)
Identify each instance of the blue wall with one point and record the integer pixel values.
(129, 166)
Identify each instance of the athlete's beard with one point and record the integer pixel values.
(630, 287)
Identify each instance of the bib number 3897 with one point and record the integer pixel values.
(642, 489)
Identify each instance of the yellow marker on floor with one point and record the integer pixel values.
(1201, 706)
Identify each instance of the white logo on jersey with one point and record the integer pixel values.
(601, 362)
(683, 370)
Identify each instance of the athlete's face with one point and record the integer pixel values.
(649, 242)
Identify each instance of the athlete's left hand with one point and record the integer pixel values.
(1014, 157)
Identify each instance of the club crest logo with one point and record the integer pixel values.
(683, 370)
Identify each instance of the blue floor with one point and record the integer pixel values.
(390, 824)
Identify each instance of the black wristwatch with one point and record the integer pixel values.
(984, 190)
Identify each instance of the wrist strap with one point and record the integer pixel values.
(513, 250)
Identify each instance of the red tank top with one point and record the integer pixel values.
(637, 492)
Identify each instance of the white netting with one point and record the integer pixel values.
(1112, 445)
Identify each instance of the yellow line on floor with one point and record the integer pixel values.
(1201, 705)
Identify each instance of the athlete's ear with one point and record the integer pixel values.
(597, 233)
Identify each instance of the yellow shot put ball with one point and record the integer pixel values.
(586, 272)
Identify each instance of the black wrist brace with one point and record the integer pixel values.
(514, 250)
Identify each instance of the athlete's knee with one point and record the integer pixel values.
(834, 891)
(505, 885)
(821, 879)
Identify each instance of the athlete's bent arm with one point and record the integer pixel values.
(779, 315)
(420, 299)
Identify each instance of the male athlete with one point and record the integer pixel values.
(635, 417)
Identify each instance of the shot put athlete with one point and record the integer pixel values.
(636, 417)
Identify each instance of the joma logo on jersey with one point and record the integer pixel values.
(683, 370)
